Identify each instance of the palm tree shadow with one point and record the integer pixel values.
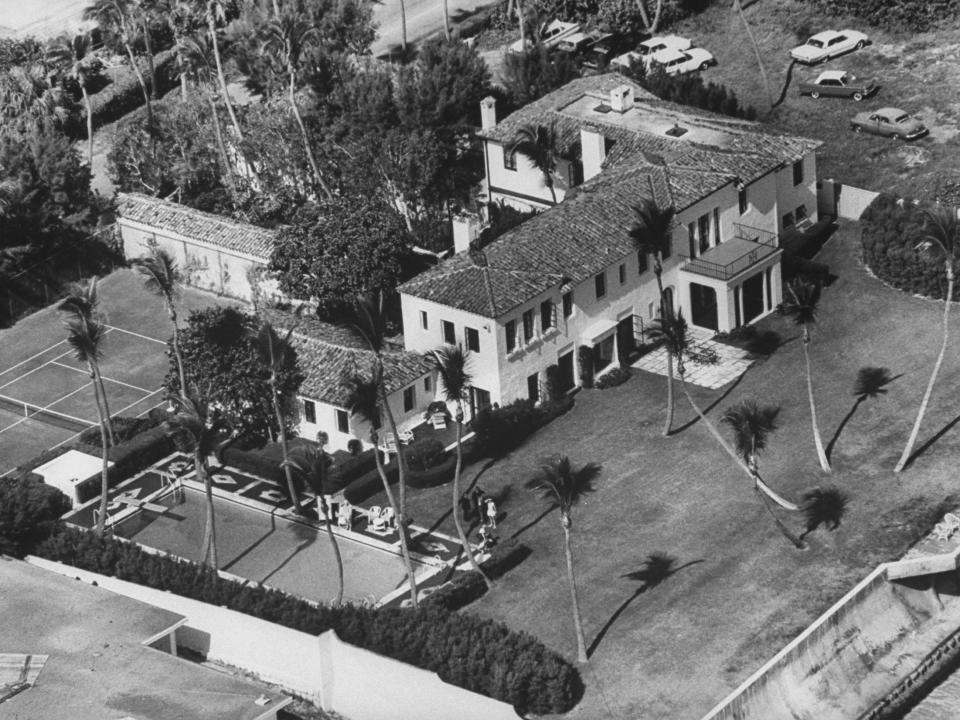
(720, 398)
(929, 443)
(550, 508)
(871, 383)
(657, 567)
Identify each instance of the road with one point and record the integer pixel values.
(424, 18)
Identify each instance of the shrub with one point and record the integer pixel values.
(29, 513)
(617, 376)
(124, 93)
(124, 428)
(891, 231)
(899, 15)
(585, 364)
(499, 430)
(424, 454)
(509, 666)
(692, 91)
(469, 586)
(354, 446)
(255, 462)
(553, 383)
(369, 484)
(343, 473)
(433, 476)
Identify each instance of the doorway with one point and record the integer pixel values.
(566, 376)
(626, 343)
(703, 306)
(752, 297)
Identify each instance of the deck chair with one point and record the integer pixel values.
(439, 421)
(378, 522)
(389, 443)
(406, 436)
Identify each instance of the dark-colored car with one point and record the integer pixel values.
(888, 122)
(837, 83)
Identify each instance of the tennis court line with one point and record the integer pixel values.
(57, 412)
(39, 367)
(105, 377)
(136, 334)
(35, 355)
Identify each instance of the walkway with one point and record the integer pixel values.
(731, 362)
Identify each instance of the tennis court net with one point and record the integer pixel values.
(42, 414)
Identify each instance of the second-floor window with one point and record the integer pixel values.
(798, 172)
(343, 421)
(742, 200)
(716, 226)
(567, 301)
(423, 320)
(546, 315)
(310, 411)
(642, 263)
(409, 398)
(528, 326)
(473, 339)
(511, 329)
(449, 334)
(622, 273)
(600, 283)
(509, 160)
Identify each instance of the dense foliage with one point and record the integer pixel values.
(465, 587)
(691, 90)
(899, 15)
(221, 359)
(499, 430)
(891, 230)
(475, 653)
(30, 511)
(530, 75)
(124, 428)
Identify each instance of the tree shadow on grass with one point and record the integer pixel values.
(498, 498)
(871, 383)
(696, 418)
(657, 567)
(929, 443)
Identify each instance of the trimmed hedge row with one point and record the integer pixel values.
(471, 652)
(499, 430)
(124, 94)
(617, 376)
(124, 429)
(370, 483)
(30, 512)
(136, 454)
(469, 586)
(889, 239)
(255, 462)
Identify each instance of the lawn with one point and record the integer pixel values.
(918, 73)
(741, 591)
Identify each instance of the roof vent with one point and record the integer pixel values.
(602, 108)
(621, 98)
(676, 131)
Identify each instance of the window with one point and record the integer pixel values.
(409, 398)
(642, 263)
(716, 226)
(798, 172)
(801, 213)
(600, 282)
(427, 384)
(788, 220)
(449, 334)
(622, 272)
(533, 387)
(546, 315)
(742, 199)
(310, 411)
(511, 335)
(692, 239)
(667, 249)
(473, 339)
(567, 302)
(509, 160)
(423, 320)
(528, 325)
(703, 228)
(343, 421)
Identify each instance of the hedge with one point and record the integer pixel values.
(898, 15)
(30, 512)
(889, 239)
(370, 483)
(469, 586)
(124, 429)
(343, 473)
(255, 462)
(136, 454)
(475, 653)
(124, 94)
(617, 376)
(499, 430)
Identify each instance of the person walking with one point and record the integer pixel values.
(491, 511)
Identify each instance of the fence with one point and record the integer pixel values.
(842, 201)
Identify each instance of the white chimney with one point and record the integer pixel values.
(621, 98)
(593, 151)
(466, 229)
(488, 112)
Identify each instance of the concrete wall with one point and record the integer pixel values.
(335, 675)
(790, 196)
(844, 201)
(526, 181)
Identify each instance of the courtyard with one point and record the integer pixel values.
(737, 591)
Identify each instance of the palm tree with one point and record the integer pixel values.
(141, 12)
(277, 355)
(286, 38)
(671, 331)
(114, 15)
(81, 304)
(86, 337)
(364, 402)
(823, 506)
(752, 425)
(540, 144)
(310, 464)
(446, 20)
(756, 49)
(802, 307)
(178, 15)
(195, 428)
(72, 57)
(215, 11)
(563, 486)
(162, 277)
(451, 364)
(652, 234)
(940, 244)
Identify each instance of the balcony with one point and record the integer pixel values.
(746, 248)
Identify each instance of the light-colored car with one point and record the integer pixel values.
(828, 44)
(551, 35)
(681, 62)
(648, 48)
(838, 83)
(889, 122)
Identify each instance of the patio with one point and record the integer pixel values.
(731, 362)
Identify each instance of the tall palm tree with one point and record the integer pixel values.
(141, 13)
(940, 244)
(81, 304)
(652, 234)
(801, 306)
(114, 15)
(195, 427)
(823, 506)
(540, 144)
(162, 277)
(446, 20)
(72, 57)
(563, 486)
(672, 332)
(178, 16)
(285, 39)
(364, 402)
(451, 364)
(277, 356)
(214, 12)
(310, 464)
(752, 425)
(86, 337)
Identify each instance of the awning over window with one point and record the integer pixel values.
(599, 329)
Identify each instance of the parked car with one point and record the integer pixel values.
(580, 44)
(551, 35)
(681, 62)
(657, 44)
(838, 83)
(889, 122)
(828, 44)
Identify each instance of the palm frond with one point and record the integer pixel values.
(451, 363)
(86, 336)
(670, 331)
(161, 276)
(871, 382)
(363, 399)
(802, 302)
(368, 319)
(82, 300)
(941, 239)
(653, 227)
(824, 506)
(751, 425)
(559, 483)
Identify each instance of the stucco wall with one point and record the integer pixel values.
(790, 196)
(526, 180)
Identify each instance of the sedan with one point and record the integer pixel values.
(837, 83)
(828, 44)
(681, 62)
(888, 122)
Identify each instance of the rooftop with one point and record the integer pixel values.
(208, 228)
(98, 666)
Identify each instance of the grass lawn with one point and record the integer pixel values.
(917, 73)
(742, 591)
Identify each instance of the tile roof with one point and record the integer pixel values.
(190, 223)
(329, 354)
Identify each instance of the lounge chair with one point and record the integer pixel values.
(406, 436)
(439, 421)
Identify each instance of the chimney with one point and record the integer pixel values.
(593, 150)
(466, 229)
(488, 112)
(621, 98)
